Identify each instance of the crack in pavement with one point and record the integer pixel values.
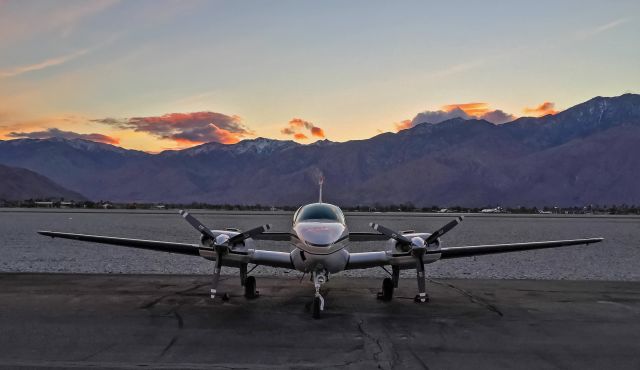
(382, 364)
(169, 345)
(415, 355)
(174, 339)
(471, 296)
(152, 303)
(101, 350)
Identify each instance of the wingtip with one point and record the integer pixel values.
(45, 233)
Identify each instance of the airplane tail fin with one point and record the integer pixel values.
(320, 181)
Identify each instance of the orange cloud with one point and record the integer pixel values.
(296, 125)
(402, 125)
(542, 109)
(472, 109)
(186, 128)
(317, 132)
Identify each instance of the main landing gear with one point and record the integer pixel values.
(389, 284)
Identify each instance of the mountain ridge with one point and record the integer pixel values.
(21, 184)
(529, 161)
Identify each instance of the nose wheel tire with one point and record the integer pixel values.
(387, 290)
(250, 291)
(315, 310)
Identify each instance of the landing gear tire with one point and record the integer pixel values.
(315, 309)
(387, 290)
(250, 291)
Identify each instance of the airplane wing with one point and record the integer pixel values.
(404, 260)
(275, 236)
(233, 259)
(171, 247)
(477, 250)
(366, 237)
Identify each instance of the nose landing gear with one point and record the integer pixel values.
(319, 278)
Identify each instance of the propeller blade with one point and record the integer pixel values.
(391, 233)
(197, 224)
(443, 230)
(248, 234)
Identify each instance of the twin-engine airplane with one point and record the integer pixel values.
(319, 237)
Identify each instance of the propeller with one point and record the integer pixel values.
(239, 238)
(418, 249)
(197, 225)
(223, 240)
(221, 243)
(443, 230)
(416, 242)
(391, 233)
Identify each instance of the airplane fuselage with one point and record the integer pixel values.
(320, 236)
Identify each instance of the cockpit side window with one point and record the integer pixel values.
(319, 212)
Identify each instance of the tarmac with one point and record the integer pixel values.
(167, 321)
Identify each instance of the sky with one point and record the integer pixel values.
(156, 75)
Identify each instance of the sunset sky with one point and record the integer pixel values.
(154, 75)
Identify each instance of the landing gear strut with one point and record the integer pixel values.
(319, 278)
(422, 296)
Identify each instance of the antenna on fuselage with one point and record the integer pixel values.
(320, 183)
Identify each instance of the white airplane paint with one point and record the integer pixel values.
(319, 237)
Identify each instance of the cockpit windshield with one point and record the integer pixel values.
(319, 211)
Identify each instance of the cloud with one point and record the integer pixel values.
(464, 111)
(472, 109)
(542, 109)
(604, 27)
(317, 132)
(402, 125)
(19, 23)
(15, 71)
(498, 117)
(439, 116)
(54, 132)
(296, 125)
(186, 128)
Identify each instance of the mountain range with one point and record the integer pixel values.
(21, 184)
(587, 154)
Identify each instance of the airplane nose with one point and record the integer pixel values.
(320, 233)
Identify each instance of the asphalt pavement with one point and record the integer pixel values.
(167, 322)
